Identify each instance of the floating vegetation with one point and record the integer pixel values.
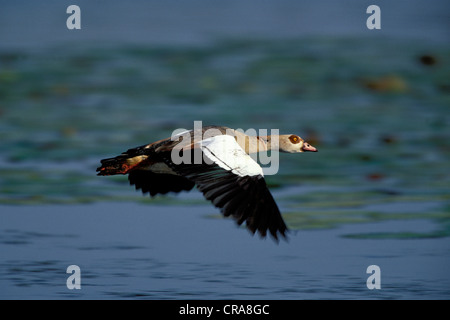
(379, 118)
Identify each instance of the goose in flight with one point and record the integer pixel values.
(217, 160)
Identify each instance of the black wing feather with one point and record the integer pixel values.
(157, 183)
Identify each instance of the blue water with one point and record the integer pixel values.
(35, 25)
(375, 194)
(166, 252)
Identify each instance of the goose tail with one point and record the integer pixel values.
(121, 164)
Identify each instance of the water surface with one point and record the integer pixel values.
(163, 252)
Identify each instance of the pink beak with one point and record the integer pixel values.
(308, 147)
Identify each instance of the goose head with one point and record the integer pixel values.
(292, 143)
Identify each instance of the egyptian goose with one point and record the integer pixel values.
(221, 167)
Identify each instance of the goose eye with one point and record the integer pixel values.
(294, 139)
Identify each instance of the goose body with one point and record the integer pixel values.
(218, 161)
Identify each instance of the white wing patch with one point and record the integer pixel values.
(224, 151)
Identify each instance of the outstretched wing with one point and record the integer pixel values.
(234, 182)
